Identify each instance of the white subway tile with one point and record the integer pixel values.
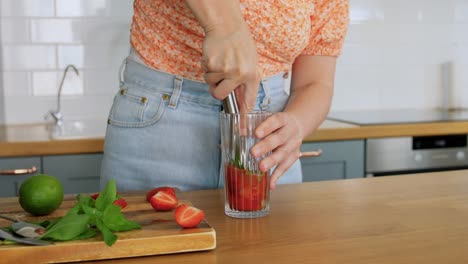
(461, 54)
(101, 82)
(123, 8)
(406, 87)
(47, 83)
(418, 54)
(14, 30)
(419, 11)
(106, 31)
(56, 30)
(354, 54)
(16, 83)
(92, 56)
(356, 87)
(460, 32)
(71, 54)
(26, 57)
(27, 8)
(86, 8)
(104, 57)
(28, 109)
(366, 10)
(461, 11)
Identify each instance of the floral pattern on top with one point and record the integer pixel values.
(167, 36)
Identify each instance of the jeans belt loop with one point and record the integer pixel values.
(267, 99)
(178, 81)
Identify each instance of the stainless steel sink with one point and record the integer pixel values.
(79, 129)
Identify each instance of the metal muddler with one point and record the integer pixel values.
(230, 104)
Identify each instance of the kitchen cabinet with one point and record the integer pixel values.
(339, 160)
(77, 173)
(9, 184)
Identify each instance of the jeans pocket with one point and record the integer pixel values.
(134, 107)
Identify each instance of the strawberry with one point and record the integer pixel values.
(120, 201)
(188, 216)
(156, 190)
(164, 201)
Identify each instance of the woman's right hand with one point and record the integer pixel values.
(229, 55)
(229, 61)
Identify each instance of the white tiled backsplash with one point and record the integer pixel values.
(392, 57)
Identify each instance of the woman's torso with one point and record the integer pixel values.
(167, 36)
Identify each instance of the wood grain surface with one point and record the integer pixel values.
(160, 234)
(417, 219)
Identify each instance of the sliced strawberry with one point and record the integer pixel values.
(120, 201)
(156, 190)
(164, 201)
(188, 216)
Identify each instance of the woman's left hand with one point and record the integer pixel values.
(281, 134)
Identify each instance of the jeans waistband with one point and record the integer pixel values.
(163, 82)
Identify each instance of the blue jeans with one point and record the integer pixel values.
(164, 130)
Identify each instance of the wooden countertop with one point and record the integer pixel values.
(34, 139)
(397, 219)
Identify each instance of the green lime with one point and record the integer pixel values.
(41, 194)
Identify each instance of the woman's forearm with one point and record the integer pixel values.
(310, 105)
(311, 91)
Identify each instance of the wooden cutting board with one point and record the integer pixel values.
(160, 234)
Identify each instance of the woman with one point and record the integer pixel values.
(189, 55)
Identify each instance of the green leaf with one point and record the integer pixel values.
(87, 234)
(68, 227)
(107, 196)
(51, 223)
(84, 199)
(116, 221)
(93, 214)
(109, 237)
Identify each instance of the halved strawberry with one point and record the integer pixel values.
(156, 190)
(188, 216)
(120, 201)
(164, 201)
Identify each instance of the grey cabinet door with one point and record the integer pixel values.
(9, 184)
(339, 160)
(78, 173)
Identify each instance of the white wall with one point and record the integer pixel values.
(39, 38)
(391, 59)
(394, 51)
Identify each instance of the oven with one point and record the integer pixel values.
(403, 155)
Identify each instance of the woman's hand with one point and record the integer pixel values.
(281, 134)
(229, 55)
(230, 62)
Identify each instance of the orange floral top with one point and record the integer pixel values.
(166, 35)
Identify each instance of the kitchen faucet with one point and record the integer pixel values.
(57, 115)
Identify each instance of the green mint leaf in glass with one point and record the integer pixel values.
(68, 227)
(107, 196)
(116, 221)
(109, 237)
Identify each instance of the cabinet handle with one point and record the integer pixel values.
(311, 154)
(18, 171)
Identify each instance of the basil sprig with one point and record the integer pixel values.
(82, 220)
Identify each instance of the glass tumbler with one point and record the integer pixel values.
(246, 188)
